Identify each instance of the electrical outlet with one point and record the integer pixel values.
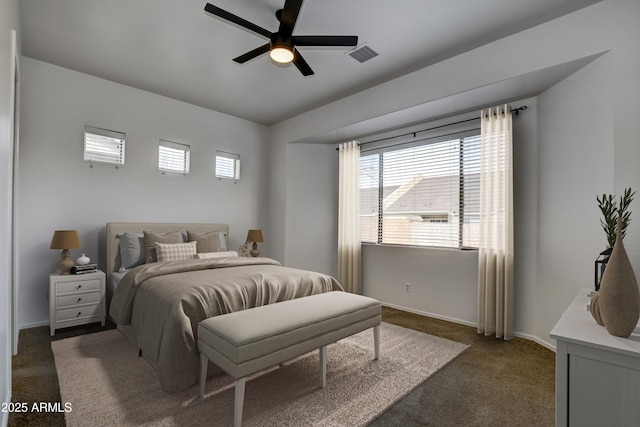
(407, 287)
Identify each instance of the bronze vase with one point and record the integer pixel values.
(619, 299)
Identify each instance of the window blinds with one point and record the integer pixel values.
(173, 157)
(227, 165)
(425, 193)
(105, 146)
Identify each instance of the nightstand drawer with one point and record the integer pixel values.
(78, 313)
(77, 286)
(78, 299)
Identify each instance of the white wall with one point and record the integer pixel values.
(8, 22)
(575, 163)
(58, 190)
(436, 278)
(592, 115)
(311, 197)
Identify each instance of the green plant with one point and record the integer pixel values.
(612, 210)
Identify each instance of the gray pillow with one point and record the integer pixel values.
(208, 242)
(132, 250)
(150, 239)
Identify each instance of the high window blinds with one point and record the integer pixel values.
(425, 193)
(227, 165)
(105, 146)
(174, 157)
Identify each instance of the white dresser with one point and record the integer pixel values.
(76, 300)
(597, 374)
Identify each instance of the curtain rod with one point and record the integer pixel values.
(513, 110)
(413, 141)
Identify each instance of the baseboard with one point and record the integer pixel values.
(33, 325)
(536, 340)
(426, 313)
(467, 323)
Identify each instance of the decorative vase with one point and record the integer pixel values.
(83, 260)
(619, 299)
(594, 308)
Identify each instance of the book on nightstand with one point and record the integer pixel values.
(84, 269)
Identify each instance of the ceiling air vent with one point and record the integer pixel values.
(363, 54)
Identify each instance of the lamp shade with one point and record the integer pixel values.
(254, 236)
(65, 239)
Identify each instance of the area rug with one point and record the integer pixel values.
(104, 383)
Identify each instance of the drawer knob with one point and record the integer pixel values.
(79, 286)
(79, 299)
(79, 314)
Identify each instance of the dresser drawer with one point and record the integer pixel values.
(78, 313)
(77, 286)
(67, 301)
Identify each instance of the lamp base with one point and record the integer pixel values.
(65, 262)
(254, 250)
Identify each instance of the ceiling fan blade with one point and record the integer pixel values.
(288, 17)
(215, 10)
(252, 54)
(325, 40)
(301, 64)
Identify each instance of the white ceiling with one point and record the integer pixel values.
(174, 48)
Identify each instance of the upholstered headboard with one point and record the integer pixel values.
(114, 229)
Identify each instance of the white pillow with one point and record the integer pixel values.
(175, 251)
(222, 254)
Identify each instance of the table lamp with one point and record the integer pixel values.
(65, 240)
(254, 236)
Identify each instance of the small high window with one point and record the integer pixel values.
(227, 165)
(104, 146)
(173, 157)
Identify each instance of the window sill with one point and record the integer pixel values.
(411, 247)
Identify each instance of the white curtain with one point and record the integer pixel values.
(349, 247)
(495, 261)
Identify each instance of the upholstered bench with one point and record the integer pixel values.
(248, 341)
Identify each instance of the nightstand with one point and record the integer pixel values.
(76, 299)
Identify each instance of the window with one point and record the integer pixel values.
(173, 157)
(227, 165)
(425, 194)
(105, 146)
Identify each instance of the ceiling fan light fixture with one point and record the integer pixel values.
(282, 44)
(281, 54)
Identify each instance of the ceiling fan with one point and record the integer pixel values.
(282, 44)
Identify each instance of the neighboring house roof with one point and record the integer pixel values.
(418, 197)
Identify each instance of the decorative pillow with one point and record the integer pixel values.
(222, 254)
(132, 250)
(150, 239)
(175, 251)
(208, 242)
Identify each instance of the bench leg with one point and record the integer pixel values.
(239, 402)
(323, 366)
(376, 340)
(204, 364)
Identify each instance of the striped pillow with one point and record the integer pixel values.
(175, 251)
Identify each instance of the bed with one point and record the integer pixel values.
(158, 305)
